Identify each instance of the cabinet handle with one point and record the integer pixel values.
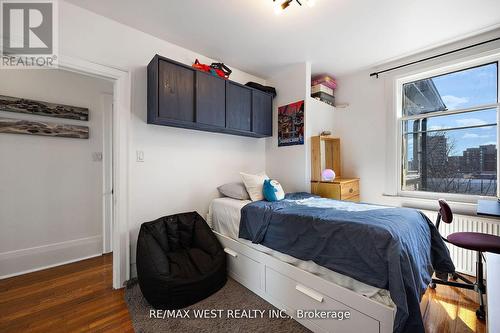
(167, 87)
(309, 292)
(351, 190)
(231, 252)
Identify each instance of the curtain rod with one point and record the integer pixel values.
(376, 74)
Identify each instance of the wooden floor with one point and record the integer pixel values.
(449, 309)
(78, 297)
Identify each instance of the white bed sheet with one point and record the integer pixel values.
(224, 217)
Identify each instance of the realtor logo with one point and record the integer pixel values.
(29, 37)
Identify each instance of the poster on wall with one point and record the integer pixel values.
(291, 124)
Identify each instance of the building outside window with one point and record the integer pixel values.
(449, 132)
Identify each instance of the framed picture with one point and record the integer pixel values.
(17, 126)
(39, 108)
(291, 124)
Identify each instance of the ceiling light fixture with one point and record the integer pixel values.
(280, 6)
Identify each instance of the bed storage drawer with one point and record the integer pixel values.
(247, 271)
(299, 296)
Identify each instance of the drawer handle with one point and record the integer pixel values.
(309, 292)
(351, 190)
(231, 252)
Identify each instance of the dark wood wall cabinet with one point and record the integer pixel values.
(181, 96)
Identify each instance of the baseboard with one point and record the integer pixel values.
(33, 259)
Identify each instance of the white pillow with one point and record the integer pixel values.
(254, 184)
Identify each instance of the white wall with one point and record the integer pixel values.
(291, 165)
(287, 164)
(50, 188)
(362, 130)
(319, 118)
(182, 167)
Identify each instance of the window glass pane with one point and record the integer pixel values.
(476, 118)
(458, 90)
(451, 161)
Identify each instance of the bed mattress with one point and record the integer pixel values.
(224, 217)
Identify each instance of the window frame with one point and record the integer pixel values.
(426, 74)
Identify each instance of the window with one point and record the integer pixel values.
(449, 132)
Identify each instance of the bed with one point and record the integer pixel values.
(224, 217)
(261, 260)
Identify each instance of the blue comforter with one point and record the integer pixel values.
(389, 248)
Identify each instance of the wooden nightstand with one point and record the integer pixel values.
(340, 189)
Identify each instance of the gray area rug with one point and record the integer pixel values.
(230, 301)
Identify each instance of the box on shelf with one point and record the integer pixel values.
(321, 88)
(324, 80)
(328, 99)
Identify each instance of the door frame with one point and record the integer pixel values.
(107, 172)
(121, 120)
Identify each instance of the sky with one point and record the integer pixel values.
(467, 88)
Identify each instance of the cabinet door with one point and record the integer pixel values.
(238, 107)
(210, 100)
(262, 113)
(175, 92)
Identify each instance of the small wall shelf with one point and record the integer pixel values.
(342, 106)
(336, 106)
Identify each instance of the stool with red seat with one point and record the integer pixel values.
(474, 241)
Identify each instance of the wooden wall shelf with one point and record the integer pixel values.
(330, 158)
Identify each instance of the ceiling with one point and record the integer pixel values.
(336, 36)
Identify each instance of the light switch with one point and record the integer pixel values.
(140, 156)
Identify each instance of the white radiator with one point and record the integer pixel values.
(465, 260)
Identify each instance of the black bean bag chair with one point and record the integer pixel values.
(179, 261)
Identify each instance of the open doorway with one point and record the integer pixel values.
(56, 199)
(118, 214)
(120, 152)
